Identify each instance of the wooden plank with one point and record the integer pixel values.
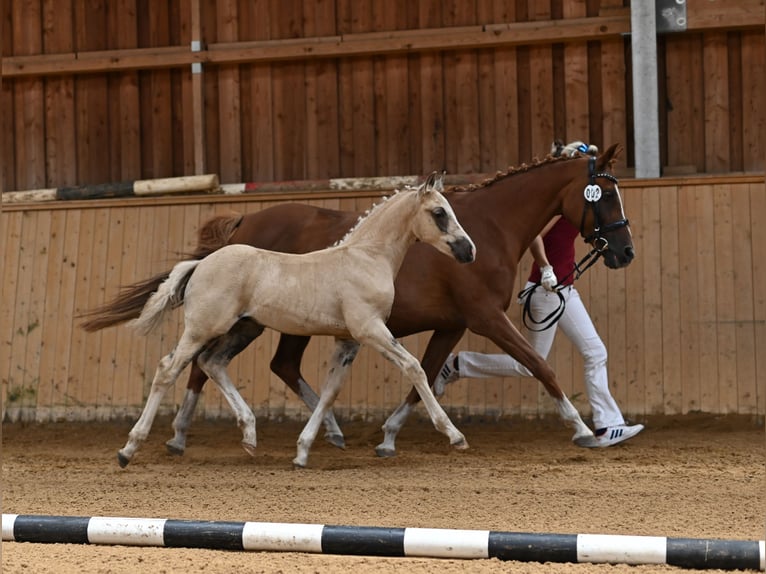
(613, 93)
(726, 336)
(541, 100)
(12, 225)
(44, 293)
(630, 391)
(706, 312)
(758, 237)
(106, 374)
(715, 63)
(81, 342)
(123, 22)
(672, 291)
(22, 380)
(711, 14)
(432, 97)
(651, 259)
(753, 114)
(576, 80)
(684, 69)
(29, 135)
(322, 144)
(734, 91)
(688, 234)
(128, 257)
(61, 164)
(65, 322)
(229, 110)
(744, 304)
(348, 45)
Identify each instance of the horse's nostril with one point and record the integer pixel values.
(629, 252)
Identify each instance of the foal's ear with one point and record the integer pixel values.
(608, 157)
(439, 181)
(428, 184)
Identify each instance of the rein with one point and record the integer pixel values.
(592, 194)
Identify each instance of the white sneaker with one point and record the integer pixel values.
(611, 436)
(447, 375)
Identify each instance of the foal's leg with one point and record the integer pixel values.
(214, 361)
(340, 362)
(439, 346)
(286, 364)
(168, 369)
(183, 418)
(230, 344)
(380, 338)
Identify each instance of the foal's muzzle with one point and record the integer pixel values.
(463, 249)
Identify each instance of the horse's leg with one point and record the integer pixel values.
(286, 364)
(340, 362)
(439, 346)
(499, 329)
(380, 338)
(168, 369)
(213, 361)
(240, 336)
(183, 418)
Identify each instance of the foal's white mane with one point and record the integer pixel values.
(363, 217)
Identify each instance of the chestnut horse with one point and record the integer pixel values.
(502, 215)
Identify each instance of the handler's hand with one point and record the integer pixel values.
(548, 279)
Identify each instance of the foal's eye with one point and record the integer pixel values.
(439, 212)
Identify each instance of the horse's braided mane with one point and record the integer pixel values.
(512, 171)
(364, 216)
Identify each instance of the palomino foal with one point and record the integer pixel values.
(345, 291)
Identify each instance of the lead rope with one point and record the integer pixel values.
(552, 318)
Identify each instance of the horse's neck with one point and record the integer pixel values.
(387, 230)
(522, 202)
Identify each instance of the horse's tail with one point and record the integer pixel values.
(213, 235)
(169, 295)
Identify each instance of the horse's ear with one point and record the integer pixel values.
(608, 157)
(439, 181)
(428, 184)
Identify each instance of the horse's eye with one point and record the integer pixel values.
(439, 212)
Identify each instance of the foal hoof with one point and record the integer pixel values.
(122, 460)
(249, 448)
(298, 465)
(174, 449)
(336, 440)
(461, 444)
(385, 452)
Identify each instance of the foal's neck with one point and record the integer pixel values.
(387, 227)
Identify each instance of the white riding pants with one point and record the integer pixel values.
(578, 327)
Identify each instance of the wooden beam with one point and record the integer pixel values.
(724, 14)
(347, 45)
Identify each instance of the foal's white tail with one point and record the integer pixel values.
(168, 296)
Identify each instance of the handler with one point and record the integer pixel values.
(554, 255)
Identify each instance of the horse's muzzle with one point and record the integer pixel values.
(463, 249)
(618, 260)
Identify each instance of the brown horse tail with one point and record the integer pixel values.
(213, 235)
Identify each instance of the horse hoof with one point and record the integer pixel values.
(385, 452)
(122, 460)
(249, 448)
(174, 449)
(462, 444)
(336, 440)
(298, 465)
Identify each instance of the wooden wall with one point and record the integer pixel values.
(685, 324)
(96, 92)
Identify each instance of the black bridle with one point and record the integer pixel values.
(598, 242)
